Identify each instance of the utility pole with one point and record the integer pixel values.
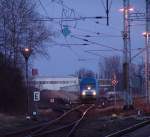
(127, 52)
(107, 11)
(147, 54)
(26, 52)
(137, 16)
(107, 5)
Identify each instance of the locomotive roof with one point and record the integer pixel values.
(87, 80)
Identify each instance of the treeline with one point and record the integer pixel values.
(12, 89)
(20, 27)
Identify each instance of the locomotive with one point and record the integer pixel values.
(88, 88)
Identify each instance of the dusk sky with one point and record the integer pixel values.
(66, 60)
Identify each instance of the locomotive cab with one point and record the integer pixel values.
(88, 88)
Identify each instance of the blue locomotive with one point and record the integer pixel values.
(88, 88)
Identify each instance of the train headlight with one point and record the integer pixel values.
(89, 88)
(83, 93)
(94, 93)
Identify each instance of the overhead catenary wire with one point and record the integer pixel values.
(100, 35)
(85, 44)
(78, 28)
(43, 7)
(141, 51)
(87, 59)
(105, 7)
(76, 54)
(99, 50)
(68, 44)
(95, 54)
(70, 18)
(97, 34)
(52, 19)
(96, 43)
(105, 50)
(64, 19)
(70, 48)
(112, 27)
(61, 3)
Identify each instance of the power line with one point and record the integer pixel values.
(112, 27)
(70, 44)
(99, 50)
(69, 18)
(95, 54)
(107, 9)
(60, 2)
(64, 19)
(70, 48)
(86, 59)
(102, 45)
(134, 56)
(100, 35)
(43, 7)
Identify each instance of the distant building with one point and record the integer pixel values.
(70, 88)
(67, 83)
(56, 83)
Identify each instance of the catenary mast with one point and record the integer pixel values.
(147, 54)
(127, 52)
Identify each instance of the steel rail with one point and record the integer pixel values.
(73, 124)
(55, 120)
(79, 121)
(129, 129)
(38, 128)
(55, 130)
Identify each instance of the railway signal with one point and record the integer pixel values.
(114, 82)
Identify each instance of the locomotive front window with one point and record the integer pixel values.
(87, 84)
(89, 87)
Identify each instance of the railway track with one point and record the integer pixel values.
(129, 129)
(65, 125)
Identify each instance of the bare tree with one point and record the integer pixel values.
(84, 73)
(20, 28)
(110, 65)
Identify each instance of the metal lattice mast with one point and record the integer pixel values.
(147, 54)
(127, 51)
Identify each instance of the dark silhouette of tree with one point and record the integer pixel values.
(12, 89)
(110, 66)
(20, 28)
(85, 73)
